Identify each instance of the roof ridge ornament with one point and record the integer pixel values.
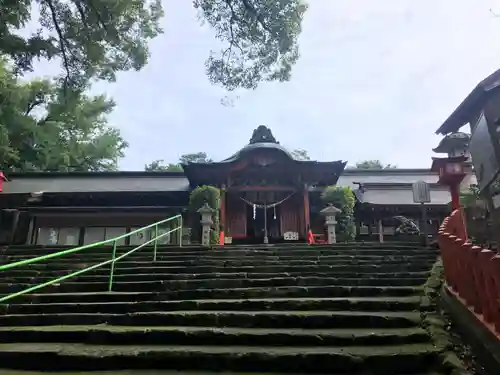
(262, 135)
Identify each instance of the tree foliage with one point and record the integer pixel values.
(202, 157)
(98, 38)
(300, 154)
(45, 127)
(91, 38)
(199, 196)
(470, 196)
(198, 157)
(161, 166)
(373, 164)
(261, 38)
(343, 198)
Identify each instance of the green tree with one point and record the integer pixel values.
(343, 198)
(198, 157)
(44, 127)
(260, 36)
(373, 164)
(91, 38)
(98, 38)
(161, 166)
(300, 154)
(470, 196)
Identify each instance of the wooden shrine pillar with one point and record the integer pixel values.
(222, 218)
(307, 212)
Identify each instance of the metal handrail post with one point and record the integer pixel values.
(180, 230)
(112, 268)
(155, 243)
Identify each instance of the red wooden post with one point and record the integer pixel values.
(485, 257)
(495, 302)
(445, 256)
(307, 215)
(461, 261)
(2, 180)
(475, 279)
(222, 219)
(455, 196)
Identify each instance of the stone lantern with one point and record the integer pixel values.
(330, 213)
(206, 213)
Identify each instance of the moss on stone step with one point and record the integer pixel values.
(260, 319)
(378, 360)
(178, 335)
(235, 293)
(277, 304)
(350, 308)
(180, 285)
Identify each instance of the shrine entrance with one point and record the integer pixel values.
(264, 190)
(262, 222)
(263, 215)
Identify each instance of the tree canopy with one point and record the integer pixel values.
(93, 38)
(202, 157)
(260, 36)
(45, 127)
(98, 38)
(161, 166)
(373, 164)
(300, 154)
(197, 157)
(54, 125)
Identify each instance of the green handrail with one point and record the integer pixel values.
(111, 261)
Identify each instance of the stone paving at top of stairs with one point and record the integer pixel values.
(346, 309)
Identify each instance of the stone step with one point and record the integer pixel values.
(382, 360)
(236, 293)
(224, 293)
(150, 267)
(220, 280)
(246, 319)
(242, 262)
(255, 247)
(247, 257)
(278, 304)
(124, 335)
(126, 273)
(168, 372)
(156, 284)
(312, 251)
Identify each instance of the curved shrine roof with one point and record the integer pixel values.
(258, 146)
(263, 141)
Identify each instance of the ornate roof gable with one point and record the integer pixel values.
(262, 135)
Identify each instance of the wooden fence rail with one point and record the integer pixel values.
(472, 273)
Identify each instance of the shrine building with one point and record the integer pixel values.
(265, 192)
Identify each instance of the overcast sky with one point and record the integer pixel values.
(375, 79)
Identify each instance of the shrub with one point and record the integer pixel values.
(342, 198)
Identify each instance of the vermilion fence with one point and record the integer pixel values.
(472, 273)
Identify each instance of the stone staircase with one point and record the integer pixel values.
(348, 309)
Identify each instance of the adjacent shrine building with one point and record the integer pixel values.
(265, 193)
